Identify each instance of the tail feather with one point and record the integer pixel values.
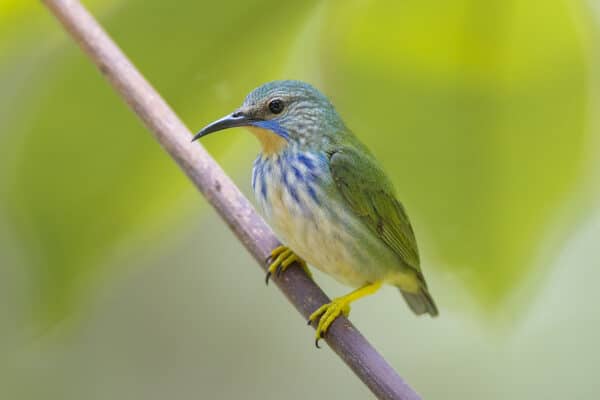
(420, 302)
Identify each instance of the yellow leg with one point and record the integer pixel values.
(282, 257)
(327, 313)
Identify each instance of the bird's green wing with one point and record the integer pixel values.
(368, 192)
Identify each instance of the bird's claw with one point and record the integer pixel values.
(326, 314)
(280, 259)
(317, 341)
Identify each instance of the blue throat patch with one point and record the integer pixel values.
(273, 126)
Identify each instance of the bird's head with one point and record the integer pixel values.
(281, 113)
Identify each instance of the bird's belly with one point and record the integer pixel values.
(323, 244)
(322, 230)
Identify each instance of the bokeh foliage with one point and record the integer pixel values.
(479, 113)
(83, 173)
(477, 110)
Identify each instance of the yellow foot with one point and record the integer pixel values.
(326, 314)
(281, 258)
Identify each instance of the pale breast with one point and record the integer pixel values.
(296, 195)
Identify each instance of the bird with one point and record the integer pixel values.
(327, 198)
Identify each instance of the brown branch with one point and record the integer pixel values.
(224, 196)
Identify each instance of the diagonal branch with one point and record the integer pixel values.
(224, 196)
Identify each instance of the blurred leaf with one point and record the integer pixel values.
(83, 174)
(478, 115)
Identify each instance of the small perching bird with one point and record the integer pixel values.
(327, 198)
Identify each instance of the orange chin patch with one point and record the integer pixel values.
(271, 142)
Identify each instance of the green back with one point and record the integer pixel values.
(369, 193)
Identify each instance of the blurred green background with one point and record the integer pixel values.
(118, 281)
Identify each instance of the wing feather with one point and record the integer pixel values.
(370, 195)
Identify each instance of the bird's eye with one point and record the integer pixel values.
(276, 106)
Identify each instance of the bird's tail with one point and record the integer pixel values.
(420, 302)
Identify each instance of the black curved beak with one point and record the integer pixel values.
(232, 120)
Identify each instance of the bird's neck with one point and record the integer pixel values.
(270, 142)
